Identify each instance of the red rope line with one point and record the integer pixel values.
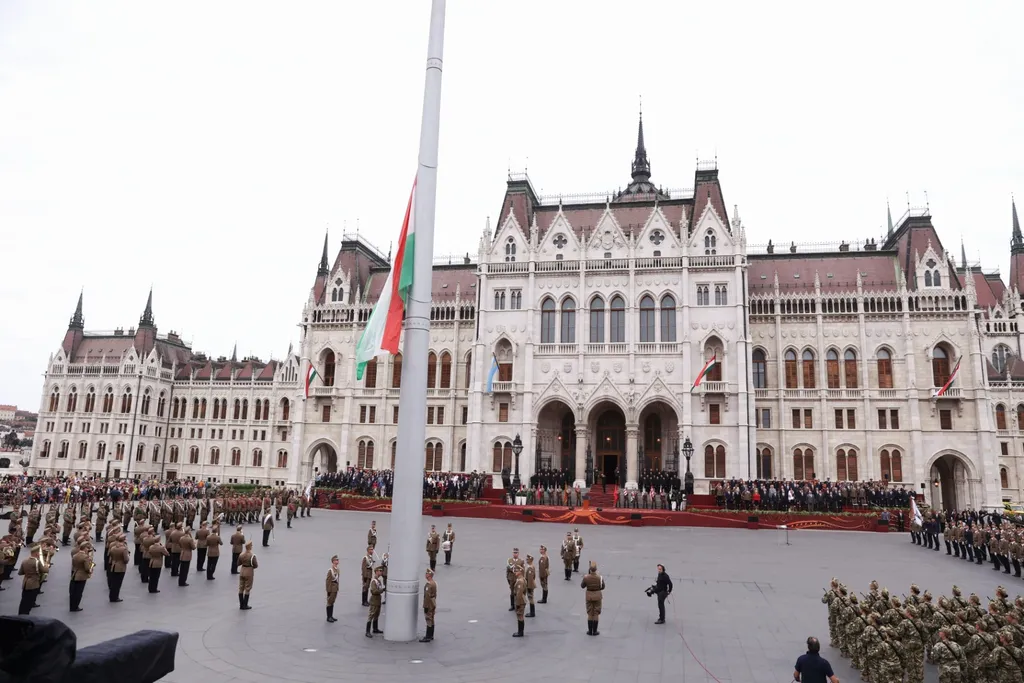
(700, 663)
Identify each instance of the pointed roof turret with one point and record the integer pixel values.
(147, 315)
(963, 255)
(641, 189)
(888, 212)
(77, 321)
(1017, 241)
(641, 166)
(325, 269)
(234, 353)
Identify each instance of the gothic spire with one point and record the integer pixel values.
(234, 353)
(325, 269)
(1017, 242)
(888, 212)
(147, 316)
(641, 166)
(963, 255)
(77, 321)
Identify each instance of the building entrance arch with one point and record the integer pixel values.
(608, 435)
(323, 459)
(950, 483)
(556, 437)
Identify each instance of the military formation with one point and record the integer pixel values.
(969, 641)
(982, 540)
(165, 537)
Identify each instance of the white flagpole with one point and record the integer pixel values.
(403, 585)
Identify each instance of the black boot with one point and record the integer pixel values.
(532, 613)
(368, 629)
(568, 574)
(590, 627)
(246, 606)
(519, 633)
(375, 629)
(365, 603)
(544, 598)
(511, 603)
(330, 614)
(596, 632)
(241, 601)
(429, 635)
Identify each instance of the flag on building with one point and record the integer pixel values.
(384, 328)
(311, 374)
(949, 382)
(492, 373)
(704, 371)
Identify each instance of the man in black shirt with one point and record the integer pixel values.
(812, 667)
(663, 589)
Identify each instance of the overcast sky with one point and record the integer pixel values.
(204, 151)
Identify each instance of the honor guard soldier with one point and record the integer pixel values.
(448, 543)
(81, 571)
(120, 556)
(268, 526)
(246, 570)
(69, 524)
(102, 512)
(201, 547)
(578, 540)
(186, 544)
(237, 542)
(384, 574)
(429, 604)
(371, 536)
(148, 538)
(510, 576)
(332, 587)
(157, 554)
(568, 554)
(31, 570)
(519, 599)
(173, 536)
(213, 544)
(531, 583)
(594, 585)
(366, 573)
(433, 546)
(377, 589)
(34, 517)
(543, 568)
(278, 504)
(290, 512)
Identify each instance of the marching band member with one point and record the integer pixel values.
(367, 573)
(81, 571)
(448, 543)
(332, 588)
(433, 545)
(429, 604)
(213, 544)
(377, 589)
(31, 570)
(568, 553)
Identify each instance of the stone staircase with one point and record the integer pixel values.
(601, 499)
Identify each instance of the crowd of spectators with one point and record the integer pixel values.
(380, 484)
(808, 496)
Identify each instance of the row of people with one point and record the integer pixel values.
(380, 483)
(979, 542)
(812, 496)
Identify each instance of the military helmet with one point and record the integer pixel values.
(874, 585)
(914, 589)
(956, 591)
(911, 612)
(1001, 592)
(928, 595)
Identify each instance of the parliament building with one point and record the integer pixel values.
(581, 325)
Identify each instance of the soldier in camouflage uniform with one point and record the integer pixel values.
(958, 603)
(830, 597)
(854, 628)
(868, 649)
(842, 608)
(1007, 659)
(893, 613)
(948, 656)
(911, 633)
(886, 656)
(979, 664)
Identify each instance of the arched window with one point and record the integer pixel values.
(803, 464)
(108, 401)
(884, 369)
(156, 453)
(101, 451)
(850, 368)
(370, 374)
(172, 455)
(999, 356)
(394, 452)
(257, 458)
(927, 278)
(195, 409)
(547, 321)
(431, 370)
(126, 401)
(1004, 478)
(202, 407)
(215, 456)
(329, 365)
(568, 321)
(617, 332)
(832, 368)
(809, 369)
(245, 408)
(193, 455)
(462, 457)
(714, 350)
(238, 408)
(791, 371)
(396, 371)
(236, 457)
(45, 452)
(433, 457)
(119, 452)
(72, 400)
(647, 331)
(364, 458)
(446, 370)
(936, 279)
(286, 407)
(710, 243)
(714, 462)
(846, 465)
(144, 406)
(1001, 417)
(83, 450)
(760, 368)
(764, 463)
(940, 366)
(282, 459)
(54, 401)
(1020, 417)
(216, 409)
(90, 402)
(469, 368)
(510, 249)
(597, 320)
(502, 456)
(668, 318)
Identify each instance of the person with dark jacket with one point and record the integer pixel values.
(663, 589)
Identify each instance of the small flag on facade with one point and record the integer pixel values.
(311, 374)
(492, 373)
(704, 371)
(945, 387)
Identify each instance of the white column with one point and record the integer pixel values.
(581, 456)
(631, 456)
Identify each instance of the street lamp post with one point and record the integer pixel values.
(590, 467)
(536, 461)
(517, 448)
(688, 478)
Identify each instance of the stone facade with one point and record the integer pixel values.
(581, 326)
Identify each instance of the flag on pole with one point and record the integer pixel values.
(384, 328)
(492, 373)
(945, 387)
(311, 374)
(915, 512)
(704, 371)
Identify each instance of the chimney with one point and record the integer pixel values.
(792, 247)
(870, 245)
(771, 247)
(119, 332)
(844, 246)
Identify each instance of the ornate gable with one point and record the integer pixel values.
(607, 238)
(510, 241)
(560, 240)
(658, 235)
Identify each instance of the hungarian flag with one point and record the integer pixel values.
(704, 371)
(949, 382)
(311, 374)
(384, 328)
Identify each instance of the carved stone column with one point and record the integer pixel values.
(631, 456)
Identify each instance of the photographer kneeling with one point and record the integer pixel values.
(663, 589)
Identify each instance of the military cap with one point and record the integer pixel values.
(956, 591)
(914, 589)
(430, 572)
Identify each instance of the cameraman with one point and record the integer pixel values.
(663, 589)
(812, 667)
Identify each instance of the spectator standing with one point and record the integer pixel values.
(812, 667)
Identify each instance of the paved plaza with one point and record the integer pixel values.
(743, 604)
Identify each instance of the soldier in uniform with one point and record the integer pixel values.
(568, 554)
(69, 523)
(578, 540)
(120, 556)
(186, 545)
(830, 596)
(213, 544)
(519, 599)
(332, 586)
(433, 546)
(247, 568)
(510, 577)
(371, 536)
(290, 512)
(448, 543)
(173, 535)
(1006, 658)
(593, 583)
(157, 554)
(429, 604)
(201, 547)
(268, 525)
(81, 571)
(34, 516)
(947, 656)
(237, 542)
(366, 573)
(543, 568)
(531, 583)
(377, 589)
(912, 633)
(31, 571)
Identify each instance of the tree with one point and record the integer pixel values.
(10, 440)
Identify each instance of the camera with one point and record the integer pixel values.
(649, 591)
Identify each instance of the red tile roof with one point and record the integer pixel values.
(267, 374)
(445, 281)
(796, 271)
(708, 190)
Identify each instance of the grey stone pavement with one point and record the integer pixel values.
(744, 603)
